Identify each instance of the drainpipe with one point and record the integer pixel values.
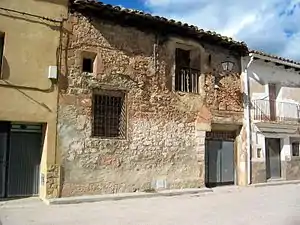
(248, 120)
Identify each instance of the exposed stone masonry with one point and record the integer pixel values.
(53, 181)
(163, 140)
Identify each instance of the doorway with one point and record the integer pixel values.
(20, 157)
(273, 162)
(219, 161)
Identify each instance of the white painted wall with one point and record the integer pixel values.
(288, 91)
(262, 73)
(287, 82)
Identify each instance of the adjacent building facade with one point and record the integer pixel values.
(30, 32)
(147, 103)
(274, 90)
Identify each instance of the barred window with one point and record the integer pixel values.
(221, 135)
(187, 72)
(109, 114)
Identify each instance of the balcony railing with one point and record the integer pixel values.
(187, 80)
(267, 110)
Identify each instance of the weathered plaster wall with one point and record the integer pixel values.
(287, 82)
(166, 130)
(293, 169)
(287, 87)
(258, 172)
(31, 43)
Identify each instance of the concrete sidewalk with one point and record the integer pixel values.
(276, 205)
(122, 196)
(164, 193)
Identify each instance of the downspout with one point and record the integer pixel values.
(248, 120)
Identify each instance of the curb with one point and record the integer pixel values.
(124, 196)
(275, 183)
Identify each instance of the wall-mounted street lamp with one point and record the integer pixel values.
(227, 67)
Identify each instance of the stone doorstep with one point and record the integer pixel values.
(123, 196)
(275, 183)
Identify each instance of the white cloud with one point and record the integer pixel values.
(269, 25)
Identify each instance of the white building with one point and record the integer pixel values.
(272, 86)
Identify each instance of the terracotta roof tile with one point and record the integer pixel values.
(85, 4)
(275, 57)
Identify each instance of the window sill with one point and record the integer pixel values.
(109, 138)
(87, 74)
(186, 93)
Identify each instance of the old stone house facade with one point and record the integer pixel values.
(274, 88)
(141, 101)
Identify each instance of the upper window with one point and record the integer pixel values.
(295, 148)
(88, 62)
(1, 51)
(187, 70)
(109, 114)
(87, 65)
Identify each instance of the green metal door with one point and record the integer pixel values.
(24, 160)
(3, 143)
(219, 157)
(4, 131)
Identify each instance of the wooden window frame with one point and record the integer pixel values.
(187, 74)
(272, 100)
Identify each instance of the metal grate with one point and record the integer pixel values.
(275, 111)
(187, 77)
(187, 80)
(221, 135)
(109, 113)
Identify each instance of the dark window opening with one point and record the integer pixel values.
(109, 114)
(295, 148)
(1, 51)
(187, 71)
(272, 101)
(87, 65)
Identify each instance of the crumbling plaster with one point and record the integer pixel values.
(166, 129)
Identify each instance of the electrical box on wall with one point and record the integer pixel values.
(52, 72)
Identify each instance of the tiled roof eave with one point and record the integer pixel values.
(82, 5)
(275, 58)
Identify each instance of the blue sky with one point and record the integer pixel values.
(272, 26)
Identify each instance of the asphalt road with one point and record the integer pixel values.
(264, 205)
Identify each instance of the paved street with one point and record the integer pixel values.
(263, 205)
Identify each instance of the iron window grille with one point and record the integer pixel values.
(186, 77)
(187, 80)
(221, 135)
(109, 114)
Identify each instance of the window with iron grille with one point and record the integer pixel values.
(187, 72)
(109, 114)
